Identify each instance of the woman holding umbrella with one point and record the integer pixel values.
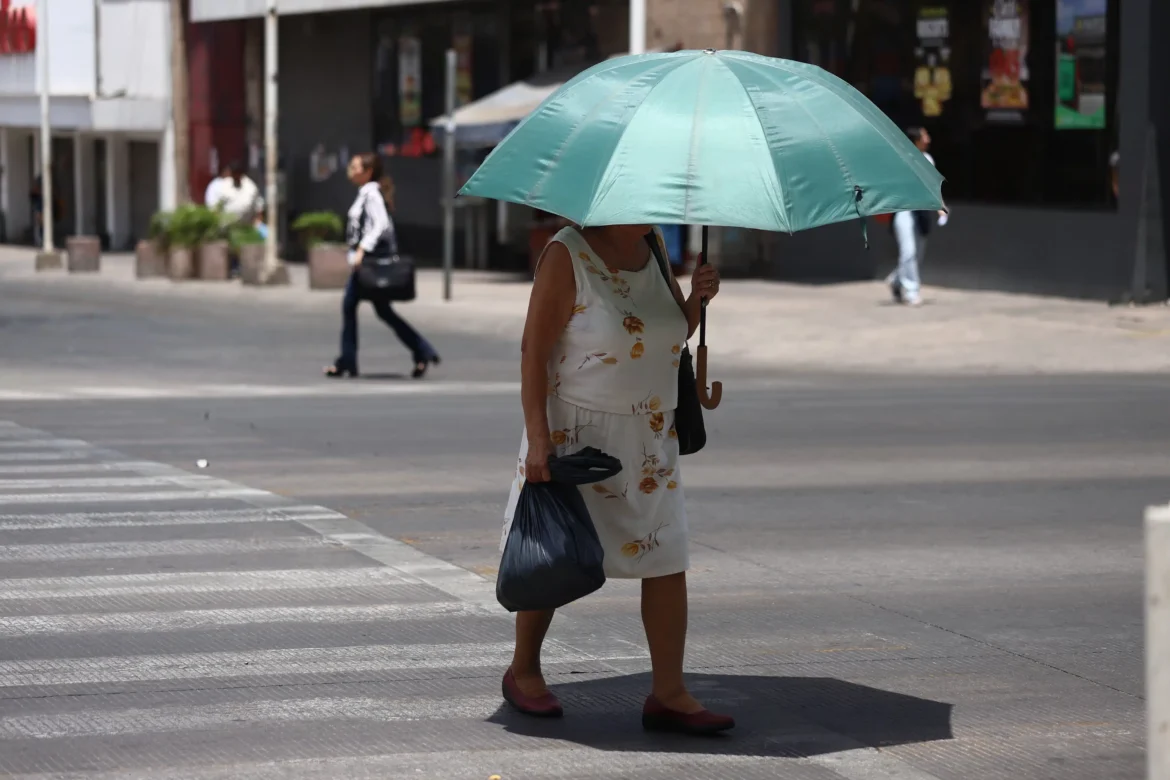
(685, 138)
(599, 367)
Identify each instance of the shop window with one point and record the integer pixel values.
(1029, 124)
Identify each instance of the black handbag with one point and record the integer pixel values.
(390, 276)
(383, 271)
(688, 416)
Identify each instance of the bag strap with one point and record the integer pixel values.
(660, 259)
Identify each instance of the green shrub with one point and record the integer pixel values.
(192, 225)
(160, 228)
(316, 227)
(244, 235)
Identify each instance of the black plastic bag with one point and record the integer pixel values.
(553, 555)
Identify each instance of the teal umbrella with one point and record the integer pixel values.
(708, 138)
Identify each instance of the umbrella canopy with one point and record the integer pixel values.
(709, 138)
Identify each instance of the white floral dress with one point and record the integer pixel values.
(613, 384)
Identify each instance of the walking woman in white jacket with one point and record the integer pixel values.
(911, 229)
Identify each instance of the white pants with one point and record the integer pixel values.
(911, 250)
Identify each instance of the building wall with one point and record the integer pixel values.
(326, 107)
(135, 41)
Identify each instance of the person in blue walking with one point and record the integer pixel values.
(911, 229)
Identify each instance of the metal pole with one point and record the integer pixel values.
(1158, 642)
(271, 190)
(449, 179)
(46, 129)
(637, 26)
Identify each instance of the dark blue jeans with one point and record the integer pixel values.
(355, 293)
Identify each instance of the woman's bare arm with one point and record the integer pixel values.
(549, 309)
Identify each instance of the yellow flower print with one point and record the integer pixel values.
(604, 357)
(580, 308)
(655, 404)
(570, 436)
(602, 490)
(648, 485)
(559, 437)
(673, 433)
(674, 363)
(639, 548)
(657, 423)
(675, 350)
(633, 325)
(637, 350)
(671, 485)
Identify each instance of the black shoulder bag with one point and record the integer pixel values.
(688, 417)
(384, 271)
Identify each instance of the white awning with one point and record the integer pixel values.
(221, 10)
(486, 121)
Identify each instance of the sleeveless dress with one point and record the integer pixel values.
(613, 385)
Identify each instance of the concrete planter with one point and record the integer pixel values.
(83, 254)
(214, 262)
(328, 267)
(49, 261)
(181, 264)
(252, 267)
(150, 260)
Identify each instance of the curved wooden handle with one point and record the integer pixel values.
(708, 398)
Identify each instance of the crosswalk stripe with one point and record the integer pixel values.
(45, 443)
(74, 468)
(40, 457)
(131, 392)
(260, 663)
(545, 763)
(104, 482)
(158, 518)
(113, 497)
(213, 716)
(109, 550)
(185, 620)
(162, 583)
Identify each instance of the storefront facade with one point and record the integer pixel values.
(109, 92)
(1027, 102)
(374, 81)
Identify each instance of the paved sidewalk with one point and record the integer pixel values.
(766, 325)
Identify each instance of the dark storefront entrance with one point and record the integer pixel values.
(1027, 101)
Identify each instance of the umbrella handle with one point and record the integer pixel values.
(708, 398)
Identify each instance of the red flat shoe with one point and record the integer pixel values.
(657, 717)
(545, 706)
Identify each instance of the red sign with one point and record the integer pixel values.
(18, 29)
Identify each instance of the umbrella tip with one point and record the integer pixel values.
(709, 51)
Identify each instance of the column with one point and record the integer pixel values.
(118, 190)
(78, 189)
(166, 169)
(5, 196)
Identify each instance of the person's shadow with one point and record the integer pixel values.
(775, 716)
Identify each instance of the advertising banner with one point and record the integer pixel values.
(932, 55)
(1081, 41)
(410, 81)
(1004, 95)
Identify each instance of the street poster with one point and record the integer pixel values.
(1004, 94)
(932, 56)
(410, 81)
(463, 87)
(1081, 27)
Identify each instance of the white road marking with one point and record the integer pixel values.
(151, 496)
(164, 583)
(109, 550)
(158, 518)
(15, 627)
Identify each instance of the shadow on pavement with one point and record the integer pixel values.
(775, 716)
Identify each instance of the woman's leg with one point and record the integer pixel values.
(905, 231)
(419, 347)
(531, 628)
(349, 324)
(664, 615)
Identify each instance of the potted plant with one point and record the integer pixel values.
(213, 260)
(150, 254)
(328, 260)
(189, 226)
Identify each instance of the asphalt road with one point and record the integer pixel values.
(918, 578)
